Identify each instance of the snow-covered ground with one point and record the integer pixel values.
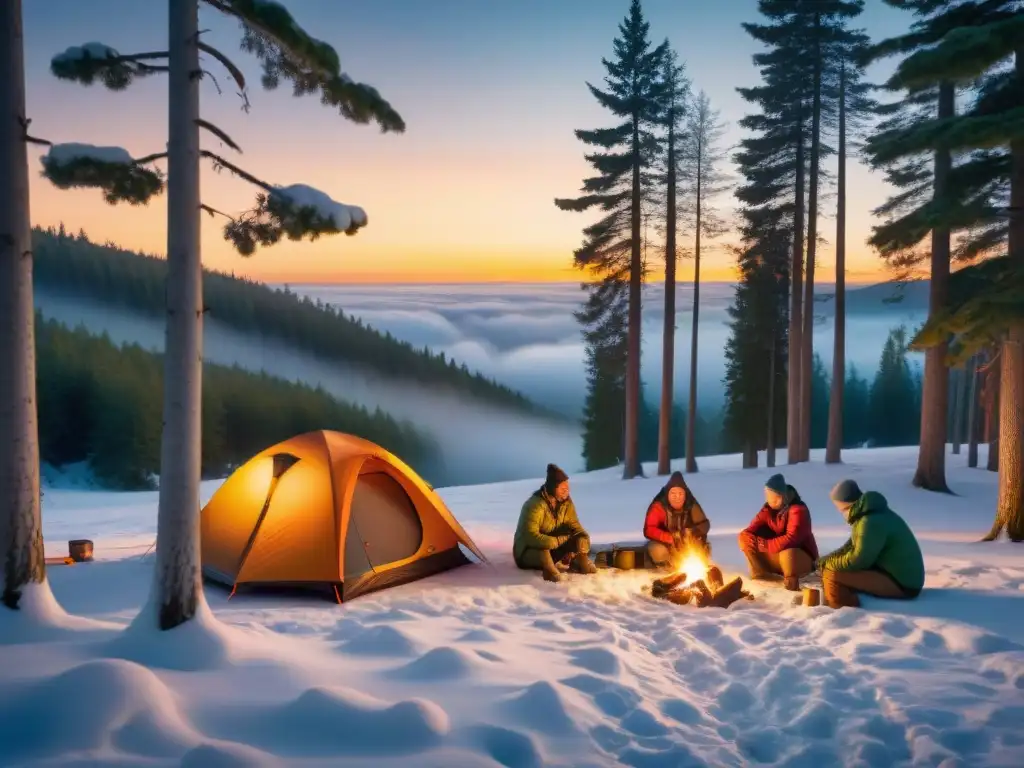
(486, 665)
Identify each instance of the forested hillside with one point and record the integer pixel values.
(75, 265)
(101, 403)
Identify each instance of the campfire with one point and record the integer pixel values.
(698, 582)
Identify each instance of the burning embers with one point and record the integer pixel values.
(696, 582)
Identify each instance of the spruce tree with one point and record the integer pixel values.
(856, 405)
(894, 395)
(286, 53)
(604, 316)
(756, 348)
(982, 45)
(613, 246)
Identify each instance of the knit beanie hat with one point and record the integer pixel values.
(555, 478)
(846, 493)
(776, 483)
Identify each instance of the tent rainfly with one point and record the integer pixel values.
(328, 510)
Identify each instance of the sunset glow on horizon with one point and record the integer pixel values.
(466, 194)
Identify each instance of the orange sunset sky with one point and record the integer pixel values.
(491, 93)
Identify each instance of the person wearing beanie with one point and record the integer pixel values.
(549, 532)
(675, 522)
(779, 542)
(881, 557)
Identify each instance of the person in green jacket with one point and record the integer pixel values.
(882, 557)
(549, 531)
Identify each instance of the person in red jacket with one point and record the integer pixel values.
(674, 521)
(779, 540)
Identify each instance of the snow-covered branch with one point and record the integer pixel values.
(86, 63)
(296, 212)
(110, 169)
(287, 52)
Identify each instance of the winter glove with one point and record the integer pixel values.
(761, 543)
(747, 540)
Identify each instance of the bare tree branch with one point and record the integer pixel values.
(219, 163)
(220, 134)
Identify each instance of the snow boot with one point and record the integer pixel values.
(758, 571)
(548, 568)
(837, 595)
(581, 564)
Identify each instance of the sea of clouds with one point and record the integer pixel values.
(525, 335)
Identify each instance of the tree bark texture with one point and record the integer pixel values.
(21, 530)
(691, 413)
(807, 341)
(796, 306)
(973, 422)
(834, 443)
(931, 458)
(631, 463)
(669, 335)
(177, 580)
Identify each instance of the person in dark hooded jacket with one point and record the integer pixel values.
(779, 540)
(675, 521)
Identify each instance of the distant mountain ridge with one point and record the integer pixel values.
(75, 266)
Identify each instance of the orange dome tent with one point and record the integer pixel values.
(332, 510)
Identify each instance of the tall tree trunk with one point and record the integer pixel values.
(177, 578)
(931, 458)
(807, 342)
(769, 450)
(669, 335)
(21, 528)
(631, 462)
(959, 401)
(796, 303)
(1010, 506)
(993, 378)
(972, 414)
(1010, 503)
(834, 444)
(691, 414)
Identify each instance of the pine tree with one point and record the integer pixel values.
(961, 195)
(286, 52)
(612, 247)
(983, 46)
(704, 180)
(675, 107)
(21, 529)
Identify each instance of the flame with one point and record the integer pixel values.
(694, 565)
(694, 568)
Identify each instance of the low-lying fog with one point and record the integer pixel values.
(522, 335)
